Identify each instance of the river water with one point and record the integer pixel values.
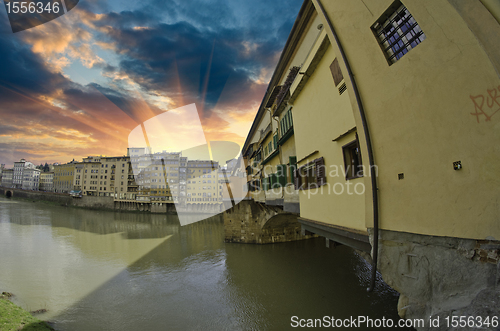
(97, 270)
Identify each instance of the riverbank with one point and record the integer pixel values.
(89, 202)
(14, 318)
(109, 203)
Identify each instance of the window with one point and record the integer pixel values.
(310, 175)
(397, 32)
(286, 123)
(352, 160)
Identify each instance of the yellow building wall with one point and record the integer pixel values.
(306, 41)
(320, 115)
(63, 177)
(420, 112)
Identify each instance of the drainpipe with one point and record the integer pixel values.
(280, 157)
(369, 146)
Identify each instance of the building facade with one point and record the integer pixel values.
(202, 186)
(7, 177)
(46, 182)
(385, 103)
(19, 168)
(64, 177)
(31, 179)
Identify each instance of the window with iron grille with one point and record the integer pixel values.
(397, 32)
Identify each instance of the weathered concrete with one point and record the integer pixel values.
(256, 223)
(437, 275)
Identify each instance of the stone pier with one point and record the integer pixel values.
(251, 222)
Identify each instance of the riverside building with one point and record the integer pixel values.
(374, 115)
(31, 179)
(46, 182)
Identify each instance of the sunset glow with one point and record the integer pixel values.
(78, 85)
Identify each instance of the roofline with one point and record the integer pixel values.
(304, 14)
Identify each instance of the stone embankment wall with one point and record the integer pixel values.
(255, 223)
(94, 202)
(89, 202)
(63, 199)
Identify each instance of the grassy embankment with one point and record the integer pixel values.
(14, 318)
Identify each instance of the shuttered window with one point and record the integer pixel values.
(273, 179)
(253, 185)
(281, 174)
(286, 123)
(352, 160)
(293, 166)
(311, 175)
(265, 183)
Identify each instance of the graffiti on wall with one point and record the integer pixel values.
(486, 106)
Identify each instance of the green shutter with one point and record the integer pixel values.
(275, 141)
(265, 183)
(274, 180)
(281, 173)
(293, 167)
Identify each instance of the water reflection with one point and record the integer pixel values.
(132, 271)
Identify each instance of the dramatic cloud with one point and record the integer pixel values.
(77, 85)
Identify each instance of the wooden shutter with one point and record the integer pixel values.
(297, 179)
(265, 183)
(275, 141)
(293, 166)
(281, 173)
(320, 171)
(336, 72)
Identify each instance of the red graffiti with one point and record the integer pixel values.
(492, 102)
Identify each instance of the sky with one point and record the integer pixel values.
(80, 84)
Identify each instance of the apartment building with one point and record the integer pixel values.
(31, 179)
(158, 178)
(202, 186)
(19, 168)
(46, 182)
(108, 177)
(7, 177)
(64, 177)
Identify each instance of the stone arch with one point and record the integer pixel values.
(281, 220)
(9, 194)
